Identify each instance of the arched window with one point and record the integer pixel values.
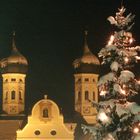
(45, 113)
(93, 96)
(20, 97)
(13, 80)
(79, 96)
(13, 95)
(20, 80)
(86, 95)
(86, 79)
(79, 80)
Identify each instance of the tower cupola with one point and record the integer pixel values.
(16, 62)
(88, 62)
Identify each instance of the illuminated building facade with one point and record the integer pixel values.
(13, 70)
(46, 122)
(86, 78)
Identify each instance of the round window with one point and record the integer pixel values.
(37, 132)
(53, 132)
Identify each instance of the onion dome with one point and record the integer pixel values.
(16, 62)
(88, 63)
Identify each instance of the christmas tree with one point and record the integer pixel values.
(118, 115)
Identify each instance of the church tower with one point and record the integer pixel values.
(86, 78)
(13, 69)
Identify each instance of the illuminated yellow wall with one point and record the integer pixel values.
(45, 125)
(13, 93)
(86, 91)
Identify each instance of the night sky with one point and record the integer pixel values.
(49, 33)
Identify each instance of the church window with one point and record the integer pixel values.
(20, 80)
(79, 96)
(93, 80)
(20, 98)
(13, 95)
(86, 79)
(13, 79)
(13, 109)
(53, 132)
(37, 132)
(93, 96)
(45, 113)
(6, 80)
(86, 95)
(79, 80)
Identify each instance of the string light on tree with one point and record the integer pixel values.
(123, 92)
(103, 93)
(124, 86)
(136, 130)
(127, 38)
(126, 59)
(103, 117)
(131, 40)
(137, 57)
(138, 81)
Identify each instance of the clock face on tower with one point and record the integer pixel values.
(86, 110)
(13, 109)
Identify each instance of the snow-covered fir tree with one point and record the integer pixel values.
(118, 115)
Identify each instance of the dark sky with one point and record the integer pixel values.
(50, 34)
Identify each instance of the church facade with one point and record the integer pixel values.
(46, 122)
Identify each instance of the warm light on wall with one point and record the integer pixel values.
(13, 83)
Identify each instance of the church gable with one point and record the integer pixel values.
(46, 122)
